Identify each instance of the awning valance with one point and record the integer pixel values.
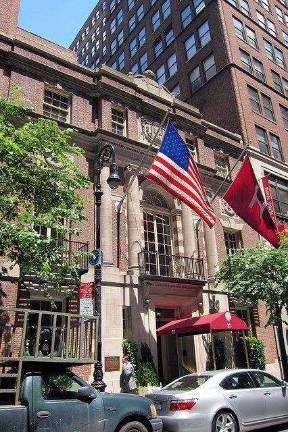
(216, 322)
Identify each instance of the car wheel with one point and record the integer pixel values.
(225, 421)
(133, 426)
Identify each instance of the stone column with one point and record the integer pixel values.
(134, 224)
(106, 218)
(211, 250)
(189, 238)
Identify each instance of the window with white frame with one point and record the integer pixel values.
(119, 62)
(197, 40)
(169, 35)
(242, 5)
(166, 70)
(195, 79)
(198, 5)
(161, 14)
(56, 105)
(261, 103)
(131, 3)
(269, 143)
(118, 121)
(245, 33)
(274, 53)
(284, 113)
(233, 241)
(280, 196)
(137, 42)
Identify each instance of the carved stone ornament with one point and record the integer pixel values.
(148, 130)
(226, 209)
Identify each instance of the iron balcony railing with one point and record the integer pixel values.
(173, 266)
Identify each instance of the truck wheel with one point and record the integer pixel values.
(133, 426)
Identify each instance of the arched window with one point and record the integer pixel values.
(157, 234)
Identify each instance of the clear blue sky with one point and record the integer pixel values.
(56, 20)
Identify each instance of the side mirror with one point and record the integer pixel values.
(86, 394)
(284, 384)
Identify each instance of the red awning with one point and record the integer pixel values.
(216, 322)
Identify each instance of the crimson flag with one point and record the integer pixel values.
(246, 199)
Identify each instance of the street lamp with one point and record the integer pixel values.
(105, 155)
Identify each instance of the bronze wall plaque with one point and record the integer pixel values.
(112, 364)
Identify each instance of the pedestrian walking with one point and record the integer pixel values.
(127, 380)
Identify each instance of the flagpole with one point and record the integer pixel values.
(135, 174)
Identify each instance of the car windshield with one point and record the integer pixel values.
(188, 382)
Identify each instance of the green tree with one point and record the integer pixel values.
(39, 184)
(260, 273)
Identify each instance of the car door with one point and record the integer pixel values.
(55, 404)
(276, 398)
(246, 400)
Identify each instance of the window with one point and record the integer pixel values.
(138, 42)
(143, 62)
(140, 13)
(265, 4)
(161, 74)
(169, 36)
(251, 37)
(266, 24)
(117, 42)
(262, 140)
(280, 196)
(166, 9)
(246, 61)
(271, 146)
(118, 122)
(158, 17)
(245, 33)
(204, 34)
(116, 21)
(276, 147)
(263, 380)
(172, 64)
(274, 53)
(190, 47)
(132, 23)
(237, 381)
(199, 5)
(56, 106)
(186, 16)
(259, 70)
(277, 82)
(131, 3)
(209, 67)
(285, 38)
(60, 386)
(157, 235)
(279, 14)
(195, 79)
(267, 107)
(221, 165)
(233, 241)
(156, 20)
(284, 113)
(261, 106)
(119, 63)
(242, 5)
(158, 47)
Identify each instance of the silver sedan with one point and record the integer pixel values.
(222, 401)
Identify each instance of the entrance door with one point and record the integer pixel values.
(168, 362)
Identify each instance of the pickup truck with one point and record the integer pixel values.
(57, 400)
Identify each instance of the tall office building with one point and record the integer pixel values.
(228, 58)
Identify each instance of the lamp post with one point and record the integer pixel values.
(105, 155)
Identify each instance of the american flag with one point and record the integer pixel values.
(175, 170)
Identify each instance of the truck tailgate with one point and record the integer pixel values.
(13, 418)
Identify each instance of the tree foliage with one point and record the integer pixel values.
(260, 273)
(39, 183)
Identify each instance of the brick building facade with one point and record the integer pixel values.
(152, 269)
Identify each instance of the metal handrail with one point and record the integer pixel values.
(174, 266)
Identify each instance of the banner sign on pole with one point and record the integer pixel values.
(269, 199)
(86, 291)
